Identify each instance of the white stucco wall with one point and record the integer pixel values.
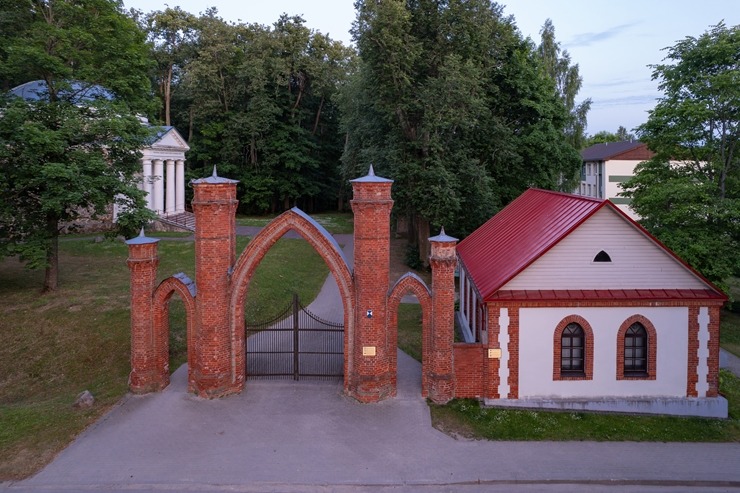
(537, 326)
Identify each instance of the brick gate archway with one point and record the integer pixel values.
(324, 244)
(410, 283)
(216, 351)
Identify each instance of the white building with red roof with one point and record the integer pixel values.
(578, 307)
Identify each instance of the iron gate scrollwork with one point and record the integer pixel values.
(295, 344)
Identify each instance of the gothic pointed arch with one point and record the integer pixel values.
(410, 283)
(329, 250)
(185, 288)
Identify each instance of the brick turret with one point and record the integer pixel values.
(373, 378)
(443, 261)
(214, 205)
(149, 355)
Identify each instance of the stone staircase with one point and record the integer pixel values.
(184, 220)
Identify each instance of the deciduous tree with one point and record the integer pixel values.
(172, 34)
(451, 103)
(568, 82)
(70, 147)
(689, 194)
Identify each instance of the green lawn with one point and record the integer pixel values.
(78, 338)
(467, 418)
(334, 222)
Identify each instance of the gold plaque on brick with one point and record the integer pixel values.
(494, 353)
(368, 350)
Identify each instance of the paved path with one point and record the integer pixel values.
(286, 436)
(729, 361)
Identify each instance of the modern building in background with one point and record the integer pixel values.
(607, 165)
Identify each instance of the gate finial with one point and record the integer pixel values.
(372, 171)
(215, 175)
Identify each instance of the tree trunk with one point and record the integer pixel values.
(318, 117)
(51, 276)
(167, 96)
(190, 126)
(422, 239)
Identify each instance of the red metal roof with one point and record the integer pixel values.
(515, 237)
(606, 294)
(530, 226)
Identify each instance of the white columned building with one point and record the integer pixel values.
(163, 172)
(146, 183)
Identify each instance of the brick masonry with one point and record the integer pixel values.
(411, 284)
(215, 315)
(652, 344)
(478, 376)
(588, 350)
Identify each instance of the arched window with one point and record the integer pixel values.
(636, 350)
(637, 356)
(602, 256)
(573, 349)
(572, 346)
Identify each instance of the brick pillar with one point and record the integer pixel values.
(372, 376)
(149, 358)
(713, 358)
(214, 205)
(441, 375)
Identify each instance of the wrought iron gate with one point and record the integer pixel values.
(296, 344)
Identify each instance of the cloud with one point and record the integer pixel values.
(634, 100)
(587, 39)
(619, 82)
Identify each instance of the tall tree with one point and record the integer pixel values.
(171, 32)
(688, 195)
(261, 105)
(454, 105)
(568, 82)
(73, 146)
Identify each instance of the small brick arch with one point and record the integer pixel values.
(652, 344)
(183, 286)
(410, 283)
(249, 260)
(588, 349)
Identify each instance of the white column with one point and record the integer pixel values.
(702, 353)
(158, 187)
(503, 343)
(146, 184)
(463, 288)
(180, 186)
(170, 187)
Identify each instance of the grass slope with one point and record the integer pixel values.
(57, 345)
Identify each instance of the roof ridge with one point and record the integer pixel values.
(566, 194)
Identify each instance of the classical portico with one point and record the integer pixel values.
(163, 172)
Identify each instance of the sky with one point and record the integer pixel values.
(613, 42)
